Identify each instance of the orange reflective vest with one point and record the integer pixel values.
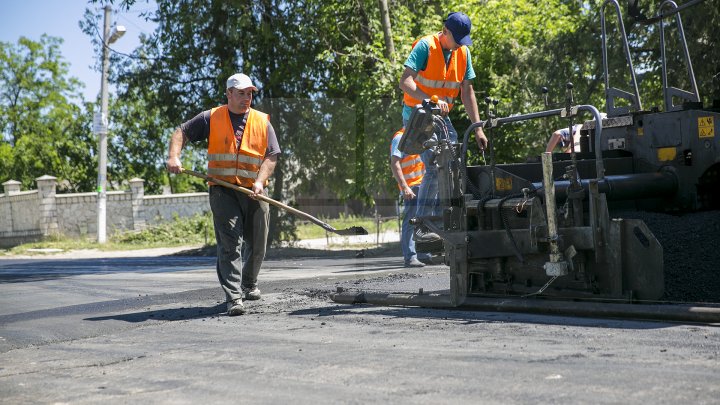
(439, 79)
(412, 166)
(225, 160)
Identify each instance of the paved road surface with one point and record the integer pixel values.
(152, 330)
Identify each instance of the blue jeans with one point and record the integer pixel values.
(428, 198)
(406, 241)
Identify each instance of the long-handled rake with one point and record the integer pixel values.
(353, 230)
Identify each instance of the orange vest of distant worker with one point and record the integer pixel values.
(225, 160)
(439, 79)
(412, 166)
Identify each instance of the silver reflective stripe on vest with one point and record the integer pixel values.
(413, 174)
(411, 162)
(231, 157)
(437, 84)
(232, 172)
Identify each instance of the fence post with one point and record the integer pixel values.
(11, 187)
(47, 186)
(137, 188)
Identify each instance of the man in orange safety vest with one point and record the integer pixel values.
(440, 65)
(243, 150)
(408, 171)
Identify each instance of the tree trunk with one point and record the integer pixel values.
(387, 29)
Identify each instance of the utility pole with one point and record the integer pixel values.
(100, 123)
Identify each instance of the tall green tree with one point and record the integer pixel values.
(323, 72)
(44, 129)
(331, 87)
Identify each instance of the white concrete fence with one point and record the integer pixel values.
(29, 215)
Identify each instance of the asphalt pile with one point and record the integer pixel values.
(691, 252)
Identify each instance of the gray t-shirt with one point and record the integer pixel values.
(198, 129)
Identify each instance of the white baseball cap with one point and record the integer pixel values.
(240, 81)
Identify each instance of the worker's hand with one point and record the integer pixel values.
(481, 139)
(174, 165)
(258, 188)
(444, 107)
(408, 193)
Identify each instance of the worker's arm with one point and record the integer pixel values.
(407, 84)
(266, 170)
(467, 95)
(554, 139)
(397, 173)
(177, 141)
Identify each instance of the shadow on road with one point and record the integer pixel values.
(171, 314)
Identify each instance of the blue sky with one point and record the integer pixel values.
(60, 18)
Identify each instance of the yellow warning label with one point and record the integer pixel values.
(503, 184)
(641, 131)
(706, 127)
(666, 154)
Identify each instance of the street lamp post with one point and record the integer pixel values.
(101, 127)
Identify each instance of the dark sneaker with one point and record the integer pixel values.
(235, 307)
(251, 294)
(414, 262)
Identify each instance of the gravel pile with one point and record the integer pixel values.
(691, 250)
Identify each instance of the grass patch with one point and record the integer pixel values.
(308, 230)
(196, 230)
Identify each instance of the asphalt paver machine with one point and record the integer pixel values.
(544, 227)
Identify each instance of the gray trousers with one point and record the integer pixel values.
(241, 232)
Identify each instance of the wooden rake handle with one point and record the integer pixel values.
(327, 227)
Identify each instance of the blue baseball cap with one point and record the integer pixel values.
(459, 25)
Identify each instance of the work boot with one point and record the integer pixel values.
(235, 307)
(414, 262)
(422, 234)
(251, 293)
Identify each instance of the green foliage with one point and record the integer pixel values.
(137, 148)
(43, 130)
(324, 78)
(333, 95)
(180, 231)
(518, 47)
